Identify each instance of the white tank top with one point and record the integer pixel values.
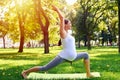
(69, 49)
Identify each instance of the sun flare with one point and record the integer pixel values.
(70, 2)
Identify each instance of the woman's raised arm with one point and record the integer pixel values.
(62, 24)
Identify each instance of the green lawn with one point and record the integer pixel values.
(103, 59)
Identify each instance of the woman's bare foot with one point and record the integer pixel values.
(24, 75)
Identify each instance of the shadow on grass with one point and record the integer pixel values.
(13, 73)
(21, 56)
(106, 62)
(17, 56)
(110, 56)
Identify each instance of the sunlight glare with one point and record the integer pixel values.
(70, 2)
(12, 4)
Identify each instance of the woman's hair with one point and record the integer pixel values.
(66, 21)
(59, 42)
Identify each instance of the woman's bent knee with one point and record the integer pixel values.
(86, 55)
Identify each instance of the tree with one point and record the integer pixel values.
(89, 15)
(3, 31)
(3, 24)
(110, 19)
(40, 13)
(31, 28)
(21, 18)
(119, 24)
(27, 26)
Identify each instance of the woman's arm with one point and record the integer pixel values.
(62, 25)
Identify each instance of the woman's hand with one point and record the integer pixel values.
(58, 11)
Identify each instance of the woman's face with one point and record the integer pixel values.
(68, 26)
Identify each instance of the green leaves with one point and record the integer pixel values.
(95, 15)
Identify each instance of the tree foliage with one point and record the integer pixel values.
(89, 15)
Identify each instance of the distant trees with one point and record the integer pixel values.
(4, 26)
(3, 31)
(90, 15)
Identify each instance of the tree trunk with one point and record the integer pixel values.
(85, 43)
(21, 27)
(119, 24)
(85, 40)
(4, 42)
(88, 44)
(103, 41)
(21, 39)
(46, 42)
(43, 25)
(21, 18)
(79, 43)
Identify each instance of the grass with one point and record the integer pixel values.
(105, 60)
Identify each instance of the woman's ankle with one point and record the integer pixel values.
(25, 72)
(89, 75)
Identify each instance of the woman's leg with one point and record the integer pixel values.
(57, 60)
(33, 69)
(85, 56)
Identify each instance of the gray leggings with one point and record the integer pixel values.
(57, 60)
